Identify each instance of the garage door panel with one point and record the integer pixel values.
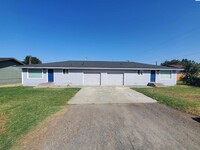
(92, 79)
(115, 79)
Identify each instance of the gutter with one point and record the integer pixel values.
(92, 68)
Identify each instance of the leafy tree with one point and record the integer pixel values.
(31, 60)
(182, 62)
(171, 62)
(191, 71)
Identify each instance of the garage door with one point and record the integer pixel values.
(115, 79)
(92, 79)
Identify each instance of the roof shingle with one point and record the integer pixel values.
(96, 64)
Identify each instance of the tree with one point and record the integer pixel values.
(191, 71)
(182, 62)
(31, 60)
(171, 62)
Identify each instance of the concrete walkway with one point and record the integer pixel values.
(109, 95)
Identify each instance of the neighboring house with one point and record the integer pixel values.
(97, 73)
(180, 74)
(9, 73)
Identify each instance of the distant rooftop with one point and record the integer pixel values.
(98, 65)
(11, 59)
(177, 66)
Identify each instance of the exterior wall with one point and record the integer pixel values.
(73, 77)
(76, 77)
(132, 78)
(33, 82)
(60, 78)
(169, 82)
(9, 74)
(103, 78)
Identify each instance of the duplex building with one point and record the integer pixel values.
(98, 73)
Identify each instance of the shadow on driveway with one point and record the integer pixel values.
(196, 119)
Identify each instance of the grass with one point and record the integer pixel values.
(180, 82)
(22, 108)
(184, 98)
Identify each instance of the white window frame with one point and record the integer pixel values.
(165, 78)
(34, 78)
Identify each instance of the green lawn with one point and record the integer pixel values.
(22, 108)
(185, 98)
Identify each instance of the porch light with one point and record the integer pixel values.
(44, 71)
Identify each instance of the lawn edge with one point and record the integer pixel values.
(17, 143)
(40, 127)
(164, 103)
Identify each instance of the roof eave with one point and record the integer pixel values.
(90, 68)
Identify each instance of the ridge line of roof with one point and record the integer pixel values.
(97, 61)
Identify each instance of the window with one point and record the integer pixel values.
(35, 73)
(65, 71)
(140, 72)
(165, 74)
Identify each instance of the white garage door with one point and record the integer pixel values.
(92, 78)
(115, 79)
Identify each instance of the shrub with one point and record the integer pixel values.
(195, 81)
(191, 71)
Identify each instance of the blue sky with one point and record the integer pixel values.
(134, 30)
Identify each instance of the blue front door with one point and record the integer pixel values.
(50, 75)
(153, 76)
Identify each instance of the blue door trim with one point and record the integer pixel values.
(50, 75)
(153, 76)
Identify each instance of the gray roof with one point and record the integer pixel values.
(98, 65)
(11, 59)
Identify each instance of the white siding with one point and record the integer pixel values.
(115, 78)
(76, 77)
(132, 78)
(91, 78)
(33, 82)
(170, 82)
(60, 78)
(103, 78)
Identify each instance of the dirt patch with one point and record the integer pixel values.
(11, 85)
(40, 131)
(193, 97)
(2, 122)
(189, 97)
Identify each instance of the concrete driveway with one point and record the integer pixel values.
(109, 95)
(127, 126)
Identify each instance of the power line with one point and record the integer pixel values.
(172, 39)
(191, 54)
